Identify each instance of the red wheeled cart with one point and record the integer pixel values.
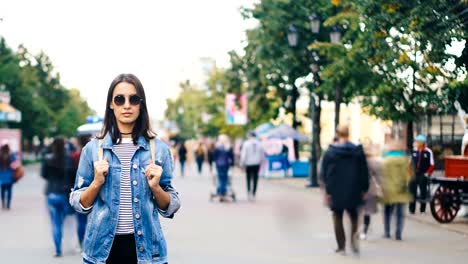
(452, 190)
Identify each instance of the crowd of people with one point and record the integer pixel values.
(355, 178)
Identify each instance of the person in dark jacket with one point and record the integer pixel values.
(57, 170)
(224, 159)
(211, 150)
(423, 166)
(200, 157)
(345, 176)
(182, 157)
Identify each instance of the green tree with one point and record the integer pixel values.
(186, 110)
(47, 107)
(73, 114)
(406, 49)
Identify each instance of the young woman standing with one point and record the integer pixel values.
(126, 189)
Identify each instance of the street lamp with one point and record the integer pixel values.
(314, 23)
(293, 36)
(335, 35)
(314, 67)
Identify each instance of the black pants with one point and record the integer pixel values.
(123, 250)
(339, 228)
(252, 178)
(420, 182)
(367, 221)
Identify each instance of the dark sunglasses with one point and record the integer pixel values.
(133, 99)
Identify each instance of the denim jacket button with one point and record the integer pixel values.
(137, 216)
(135, 200)
(139, 232)
(135, 166)
(142, 249)
(135, 182)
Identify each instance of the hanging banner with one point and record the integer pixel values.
(236, 109)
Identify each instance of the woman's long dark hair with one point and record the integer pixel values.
(142, 124)
(5, 158)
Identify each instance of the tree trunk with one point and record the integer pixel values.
(317, 128)
(409, 135)
(294, 96)
(337, 105)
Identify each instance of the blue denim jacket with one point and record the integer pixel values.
(102, 221)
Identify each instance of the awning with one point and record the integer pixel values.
(9, 114)
(285, 131)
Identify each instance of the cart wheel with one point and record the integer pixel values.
(445, 204)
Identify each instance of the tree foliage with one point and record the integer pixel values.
(47, 107)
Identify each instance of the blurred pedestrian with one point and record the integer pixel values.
(211, 150)
(371, 203)
(396, 175)
(346, 179)
(251, 157)
(200, 157)
(57, 170)
(7, 167)
(82, 219)
(423, 166)
(128, 185)
(182, 157)
(224, 159)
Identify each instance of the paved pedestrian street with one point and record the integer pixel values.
(286, 224)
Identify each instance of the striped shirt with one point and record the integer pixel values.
(124, 152)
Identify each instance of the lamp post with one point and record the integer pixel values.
(314, 67)
(293, 39)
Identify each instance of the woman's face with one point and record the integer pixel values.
(125, 104)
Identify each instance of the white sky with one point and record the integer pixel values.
(90, 42)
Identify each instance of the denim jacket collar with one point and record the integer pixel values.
(141, 142)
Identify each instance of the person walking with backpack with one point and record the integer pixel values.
(346, 178)
(396, 175)
(224, 159)
(251, 157)
(123, 181)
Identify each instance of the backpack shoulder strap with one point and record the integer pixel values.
(100, 150)
(153, 149)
